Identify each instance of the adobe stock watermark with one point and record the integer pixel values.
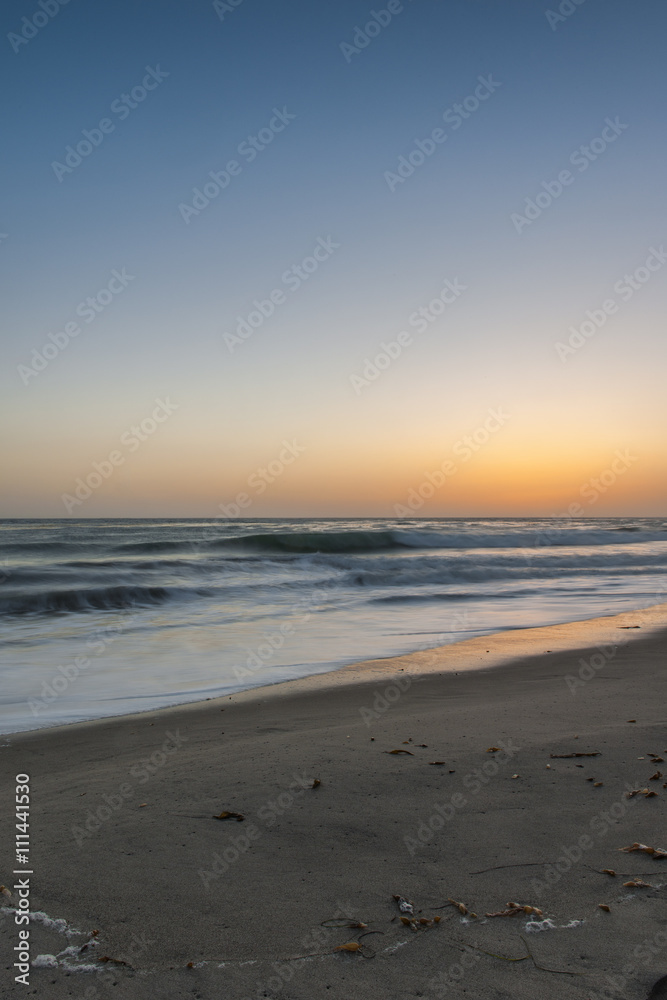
(626, 287)
(131, 440)
(581, 158)
(267, 814)
(224, 7)
(5, 571)
(88, 310)
(285, 969)
(257, 658)
(138, 946)
(465, 448)
(258, 481)
(419, 320)
(122, 108)
(262, 477)
(66, 674)
(236, 846)
(141, 772)
(600, 825)
(598, 485)
(644, 953)
(591, 490)
(565, 9)
(377, 22)
(445, 981)
(454, 116)
(293, 278)
(383, 700)
(31, 26)
(473, 782)
(589, 668)
(249, 149)
(81, 957)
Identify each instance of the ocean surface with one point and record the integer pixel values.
(107, 617)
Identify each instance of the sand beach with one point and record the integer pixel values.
(518, 754)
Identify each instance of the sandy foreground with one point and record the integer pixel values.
(124, 843)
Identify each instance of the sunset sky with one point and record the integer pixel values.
(315, 211)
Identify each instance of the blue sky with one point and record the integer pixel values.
(322, 178)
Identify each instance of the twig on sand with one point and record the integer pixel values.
(601, 871)
(543, 968)
(506, 958)
(492, 954)
(523, 864)
(268, 958)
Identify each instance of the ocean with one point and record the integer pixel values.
(108, 617)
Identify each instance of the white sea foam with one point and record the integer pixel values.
(534, 926)
(45, 962)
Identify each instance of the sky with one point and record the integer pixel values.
(333, 259)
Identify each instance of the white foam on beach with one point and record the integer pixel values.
(394, 947)
(57, 924)
(533, 926)
(75, 949)
(81, 967)
(67, 958)
(45, 962)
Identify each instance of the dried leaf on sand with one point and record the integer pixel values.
(239, 817)
(655, 852)
(461, 907)
(342, 922)
(514, 909)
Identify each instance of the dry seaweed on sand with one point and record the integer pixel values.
(461, 907)
(514, 909)
(655, 852)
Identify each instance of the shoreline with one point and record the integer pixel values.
(124, 839)
(479, 653)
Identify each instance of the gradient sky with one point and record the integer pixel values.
(567, 417)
